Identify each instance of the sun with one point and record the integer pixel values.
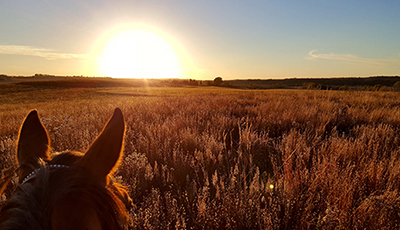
(139, 53)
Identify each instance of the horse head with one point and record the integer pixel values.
(67, 190)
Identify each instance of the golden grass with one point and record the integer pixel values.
(213, 158)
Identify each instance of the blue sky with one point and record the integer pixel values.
(233, 39)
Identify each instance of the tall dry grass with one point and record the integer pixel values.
(230, 159)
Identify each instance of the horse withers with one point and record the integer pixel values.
(67, 190)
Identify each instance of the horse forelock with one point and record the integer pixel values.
(48, 199)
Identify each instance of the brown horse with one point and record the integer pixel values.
(68, 190)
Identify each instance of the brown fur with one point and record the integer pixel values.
(78, 197)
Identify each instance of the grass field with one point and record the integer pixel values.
(214, 158)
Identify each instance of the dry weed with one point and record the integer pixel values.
(235, 159)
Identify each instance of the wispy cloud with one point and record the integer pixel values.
(343, 57)
(48, 54)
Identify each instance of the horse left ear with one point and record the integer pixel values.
(104, 153)
(33, 144)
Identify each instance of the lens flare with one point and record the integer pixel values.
(271, 186)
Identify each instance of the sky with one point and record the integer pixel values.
(253, 39)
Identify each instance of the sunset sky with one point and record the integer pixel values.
(228, 38)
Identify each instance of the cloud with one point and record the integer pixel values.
(343, 57)
(48, 54)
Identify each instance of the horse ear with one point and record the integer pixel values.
(104, 153)
(33, 143)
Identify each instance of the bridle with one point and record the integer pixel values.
(33, 173)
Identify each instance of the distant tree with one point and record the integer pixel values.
(218, 81)
(192, 82)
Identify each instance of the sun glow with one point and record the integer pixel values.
(139, 54)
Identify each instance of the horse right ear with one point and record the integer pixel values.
(105, 152)
(33, 144)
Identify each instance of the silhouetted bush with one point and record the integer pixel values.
(397, 86)
(218, 81)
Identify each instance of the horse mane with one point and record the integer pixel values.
(57, 187)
